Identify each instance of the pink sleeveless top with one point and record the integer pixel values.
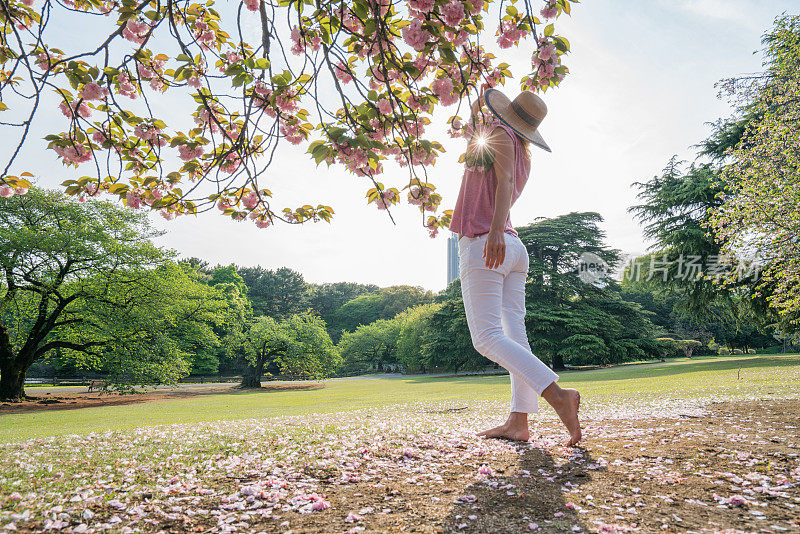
(474, 209)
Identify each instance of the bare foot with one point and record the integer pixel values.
(506, 431)
(566, 405)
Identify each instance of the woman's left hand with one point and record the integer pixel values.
(494, 249)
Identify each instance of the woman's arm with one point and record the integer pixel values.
(494, 250)
(476, 106)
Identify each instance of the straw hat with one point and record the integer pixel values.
(524, 114)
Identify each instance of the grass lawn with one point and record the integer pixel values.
(774, 375)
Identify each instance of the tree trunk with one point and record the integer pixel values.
(12, 382)
(252, 375)
(558, 362)
(12, 371)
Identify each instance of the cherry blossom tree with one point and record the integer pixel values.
(760, 213)
(353, 82)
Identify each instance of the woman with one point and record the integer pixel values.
(493, 261)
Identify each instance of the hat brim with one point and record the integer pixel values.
(500, 105)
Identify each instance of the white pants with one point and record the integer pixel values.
(494, 300)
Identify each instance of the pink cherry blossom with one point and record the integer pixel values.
(157, 85)
(133, 199)
(416, 36)
(188, 153)
(194, 81)
(7, 191)
(458, 38)
(135, 31)
(263, 222)
(252, 5)
(286, 101)
(384, 199)
(453, 13)
(442, 86)
(351, 22)
(42, 61)
(510, 34)
(342, 73)
(443, 89)
(422, 5)
(546, 70)
(147, 132)
(292, 132)
(419, 196)
(231, 163)
(73, 153)
(144, 71)
(250, 200)
(93, 91)
(92, 189)
(298, 45)
(477, 6)
(550, 10)
(126, 86)
(206, 38)
(547, 52)
(68, 109)
(384, 106)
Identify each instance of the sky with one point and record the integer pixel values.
(640, 90)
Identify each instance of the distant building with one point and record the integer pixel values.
(452, 258)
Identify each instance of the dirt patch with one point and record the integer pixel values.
(82, 399)
(734, 470)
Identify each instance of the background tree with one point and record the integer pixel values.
(732, 321)
(277, 293)
(371, 347)
(369, 74)
(383, 304)
(675, 215)
(446, 341)
(73, 276)
(759, 218)
(203, 310)
(688, 346)
(202, 267)
(568, 319)
(266, 342)
(232, 327)
(326, 298)
(411, 341)
(228, 275)
(298, 347)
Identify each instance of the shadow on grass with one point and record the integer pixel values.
(536, 483)
(672, 368)
(83, 399)
(646, 369)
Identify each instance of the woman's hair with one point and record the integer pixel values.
(525, 143)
